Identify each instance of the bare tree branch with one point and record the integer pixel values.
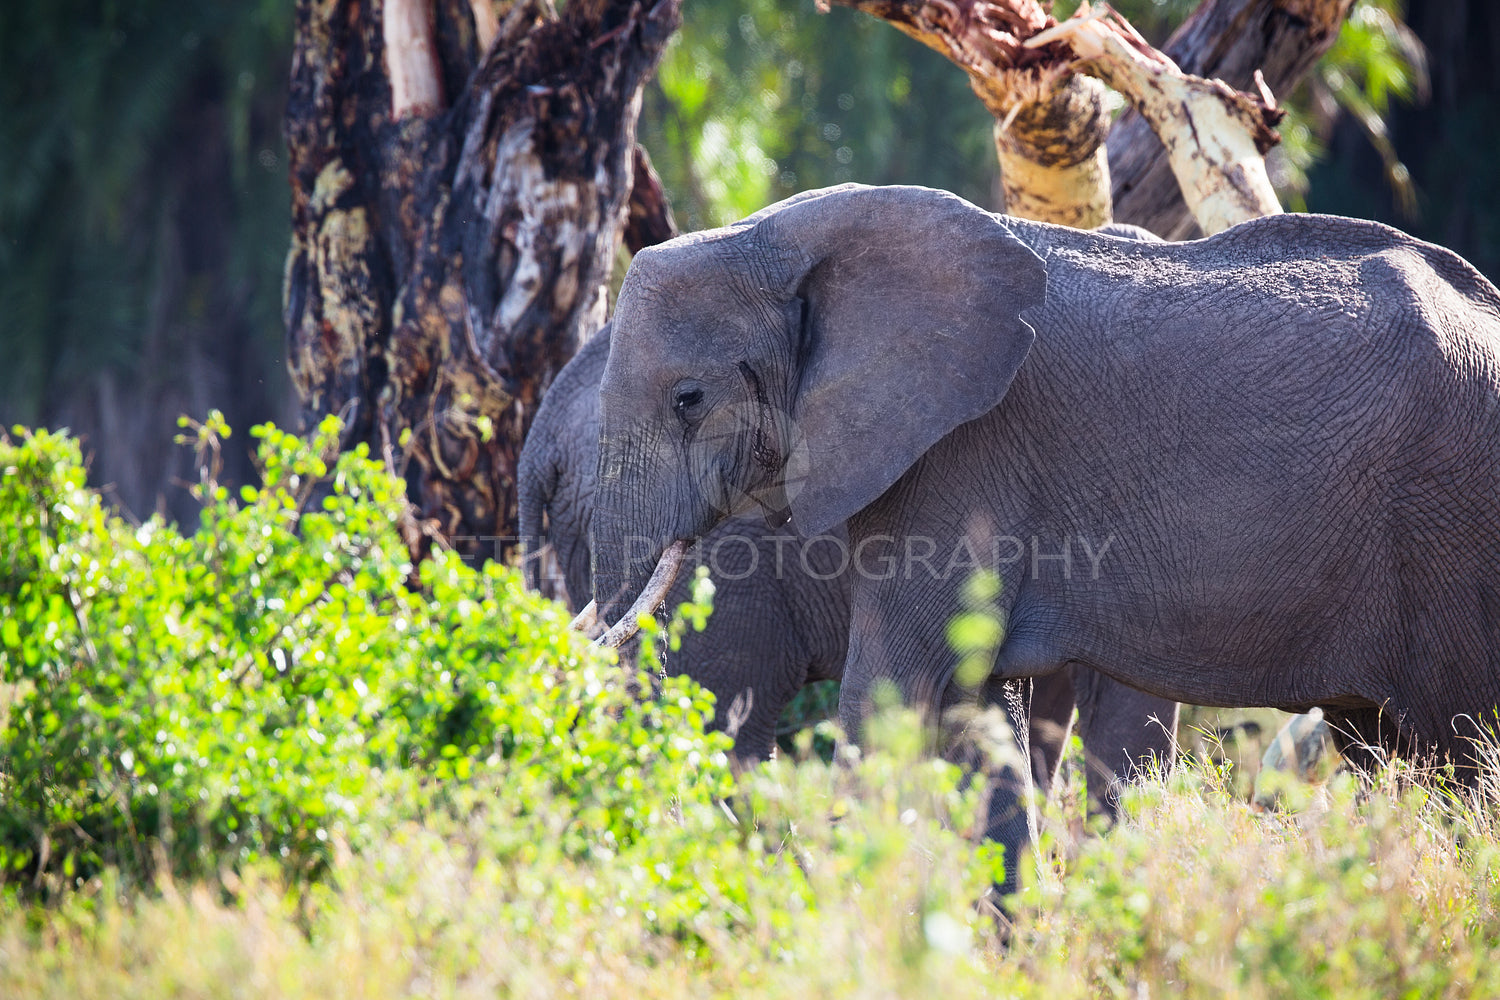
(1053, 165)
(1227, 40)
(1216, 137)
(411, 58)
(486, 24)
(1018, 61)
(1051, 124)
(1051, 129)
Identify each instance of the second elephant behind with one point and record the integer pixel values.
(781, 608)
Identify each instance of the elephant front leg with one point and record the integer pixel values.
(1126, 733)
(985, 730)
(995, 742)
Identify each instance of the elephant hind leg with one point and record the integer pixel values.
(1052, 702)
(1124, 732)
(1369, 737)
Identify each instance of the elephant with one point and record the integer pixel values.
(1255, 469)
(781, 623)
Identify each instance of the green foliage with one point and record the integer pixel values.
(1379, 52)
(1375, 58)
(816, 704)
(338, 783)
(247, 691)
(754, 102)
(848, 879)
(975, 633)
(842, 881)
(268, 701)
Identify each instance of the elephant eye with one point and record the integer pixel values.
(686, 399)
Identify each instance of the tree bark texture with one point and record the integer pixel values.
(446, 262)
(1053, 166)
(1226, 40)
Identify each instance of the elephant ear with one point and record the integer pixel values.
(911, 326)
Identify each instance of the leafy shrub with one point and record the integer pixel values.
(269, 683)
(835, 880)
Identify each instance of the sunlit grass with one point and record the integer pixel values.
(1382, 891)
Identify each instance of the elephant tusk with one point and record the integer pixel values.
(588, 621)
(587, 618)
(651, 597)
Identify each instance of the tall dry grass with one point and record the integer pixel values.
(1382, 891)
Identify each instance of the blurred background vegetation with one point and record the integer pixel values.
(144, 203)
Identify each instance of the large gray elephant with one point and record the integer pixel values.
(1254, 469)
(781, 617)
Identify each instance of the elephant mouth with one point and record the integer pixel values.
(650, 598)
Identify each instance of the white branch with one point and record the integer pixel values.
(411, 58)
(1213, 134)
(486, 24)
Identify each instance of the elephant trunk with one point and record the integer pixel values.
(632, 573)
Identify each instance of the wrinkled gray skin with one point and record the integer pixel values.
(772, 632)
(1288, 430)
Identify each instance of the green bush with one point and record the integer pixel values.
(271, 682)
(274, 692)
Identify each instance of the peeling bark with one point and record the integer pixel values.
(1227, 40)
(1216, 137)
(486, 24)
(444, 266)
(1018, 59)
(338, 286)
(408, 33)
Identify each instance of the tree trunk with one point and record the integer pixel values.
(448, 257)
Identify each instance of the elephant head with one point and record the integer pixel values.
(747, 359)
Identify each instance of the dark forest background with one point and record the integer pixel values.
(144, 198)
